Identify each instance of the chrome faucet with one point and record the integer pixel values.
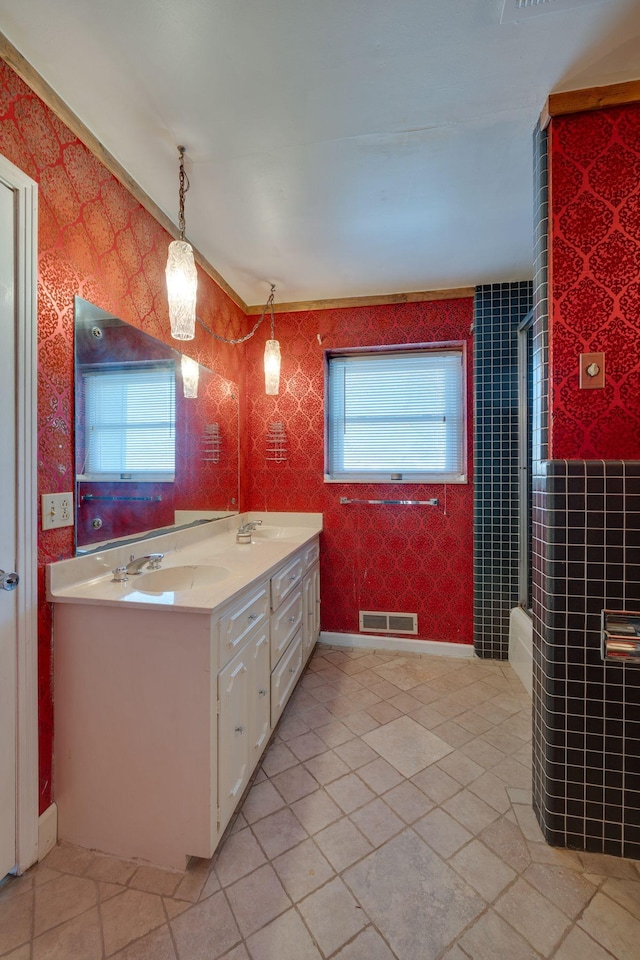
(244, 532)
(151, 559)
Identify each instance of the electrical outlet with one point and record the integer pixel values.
(57, 510)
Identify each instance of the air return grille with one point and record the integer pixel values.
(519, 9)
(375, 621)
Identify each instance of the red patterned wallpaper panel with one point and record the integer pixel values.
(403, 559)
(595, 282)
(97, 242)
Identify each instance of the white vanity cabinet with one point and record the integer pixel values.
(162, 714)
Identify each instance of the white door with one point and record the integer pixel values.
(8, 535)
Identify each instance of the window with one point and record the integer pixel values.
(129, 422)
(396, 415)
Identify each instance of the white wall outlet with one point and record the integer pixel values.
(57, 510)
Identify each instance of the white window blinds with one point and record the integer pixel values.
(130, 422)
(396, 416)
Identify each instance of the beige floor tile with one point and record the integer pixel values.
(492, 790)
(108, 890)
(490, 938)
(363, 697)
(360, 722)
(278, 758)
(606, 866)
(257, 899)
(423, 887)
(383, 712)
(482, 753)
(482, 869)
(528, 822)
(368, 945)
(566, 889)
(69, 859)
(317, 716)
(406, 745)
(294, 783)
(624, 892)
(507, 842)
(349, 792)
(22, 953)
(514, 773)
(77, 939)
(377, 822)
(332, 915)
(408, 801)
(380, 776)
(286, 938)
(444, 834)
(475, 724)
(342, 844)
(461, 768)
(16, 914)
(193, 880)
(316, 811)
(129, 916)
(307, 746)
(327, 767)
(175, 907)
(291, 726)
(157, 945)
(334, 733)
(436, 784)
(237, 953)
(578, 946)
(428, 717)
(155, 880)
(206, 931)
(425, 693)
(111, 869)
(355, 753)
(262, 799)
(238, 856)
(502, 740)
(211, 886)
(15, 886)
(469, 810)
(523, 907)
(405, 673)
(61, 900)
(279, 832)
(341, 707)
(302, 870)
(453, 734)
(612, 926)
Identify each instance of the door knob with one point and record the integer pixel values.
(8, 581)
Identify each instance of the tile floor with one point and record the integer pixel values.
(391, 818)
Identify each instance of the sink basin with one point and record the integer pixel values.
(176, 579)
(267, 532)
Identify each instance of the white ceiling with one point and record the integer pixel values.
(337, 147)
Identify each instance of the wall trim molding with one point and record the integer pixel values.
(48, 95)
(25, 192)
(340, 303)
(47, 831)
(590, 98)
(370, 641)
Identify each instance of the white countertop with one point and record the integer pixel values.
(88, 579)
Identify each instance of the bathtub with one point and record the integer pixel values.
(521, 646)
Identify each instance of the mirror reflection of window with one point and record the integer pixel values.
(130, 421)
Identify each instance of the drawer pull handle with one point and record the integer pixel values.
(239, 729)
(292, 619)
(262, 692)
(294, 576)
(292, 669)
(253, 616)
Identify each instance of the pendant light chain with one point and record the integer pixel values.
(268, 306)
(184, 187)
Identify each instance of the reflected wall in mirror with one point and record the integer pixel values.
(149, 454)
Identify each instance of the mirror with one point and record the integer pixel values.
(149, 453)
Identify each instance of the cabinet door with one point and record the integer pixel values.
(234, 732)
(285, 677)
(261, 695)
(311, 610)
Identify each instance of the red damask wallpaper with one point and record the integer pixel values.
(97, 242)
(403, 559)
(595, 282)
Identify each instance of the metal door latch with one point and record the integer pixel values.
(8, 581)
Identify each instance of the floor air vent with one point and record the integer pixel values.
(521, 9)
(374, 621)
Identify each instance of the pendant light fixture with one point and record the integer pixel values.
(190, 376)
(182, 279)
(272, 355)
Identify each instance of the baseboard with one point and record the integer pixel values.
(401, 644)
(47, 831)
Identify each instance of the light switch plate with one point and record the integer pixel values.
(591, 371)
(57, 510)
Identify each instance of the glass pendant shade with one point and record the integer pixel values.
(182, 282)
(272, 367)
(190, 376)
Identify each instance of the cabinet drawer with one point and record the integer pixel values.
(284, 677)
(283, 582)
(285, 623)
(310, 554)
(237, 621)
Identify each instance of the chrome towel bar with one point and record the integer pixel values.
(396, 503)
(620, 636)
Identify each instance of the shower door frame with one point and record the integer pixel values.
(524, 463)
